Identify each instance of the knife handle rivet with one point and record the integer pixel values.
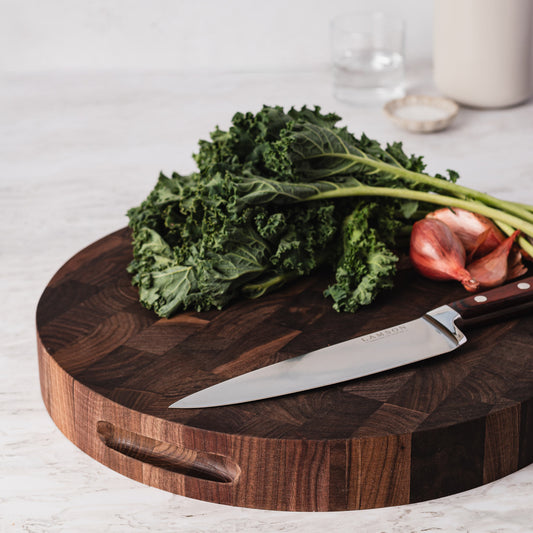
(480, 298)
(524, 286)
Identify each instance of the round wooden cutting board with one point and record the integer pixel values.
(109, 370)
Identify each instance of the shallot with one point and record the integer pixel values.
(437, 253)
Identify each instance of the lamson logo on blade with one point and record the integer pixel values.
(396, 330)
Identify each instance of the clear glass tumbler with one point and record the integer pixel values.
(368, 57)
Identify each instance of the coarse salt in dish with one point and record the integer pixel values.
(421, 113)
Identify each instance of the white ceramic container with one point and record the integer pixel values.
(483, 51)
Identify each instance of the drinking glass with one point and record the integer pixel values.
(368, 57)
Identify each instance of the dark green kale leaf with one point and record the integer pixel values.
(322, 153)
(368, 264)
(202, 249)
(257, 214)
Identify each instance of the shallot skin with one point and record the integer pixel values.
(478, 234)
(493, 269)
(437, 253)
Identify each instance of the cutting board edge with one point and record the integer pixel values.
(321, 475)
(178, 459)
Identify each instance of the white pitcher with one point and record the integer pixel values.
(483, 51)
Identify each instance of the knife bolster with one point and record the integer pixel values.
(446, 318)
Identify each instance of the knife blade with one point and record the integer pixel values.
(435, 333)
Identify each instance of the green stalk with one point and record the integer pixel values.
(439, 199)
(527, 207)
(521, 240)
(257, 289)
(521, 210)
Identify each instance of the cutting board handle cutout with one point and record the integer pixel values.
(177, 459)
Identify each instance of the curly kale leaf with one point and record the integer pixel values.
(367, 265)
(201, 252)
(252, 217)
(258, 142)
(322, 153)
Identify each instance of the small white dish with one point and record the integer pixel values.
(421, 113)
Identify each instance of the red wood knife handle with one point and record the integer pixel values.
(504, 300)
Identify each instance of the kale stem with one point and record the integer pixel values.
(433, 198)
(522, 241)
(522, 210)
(527, 207)
(257, 289)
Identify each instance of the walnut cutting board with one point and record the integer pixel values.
(109, 369)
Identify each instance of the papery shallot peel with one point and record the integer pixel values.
(478, 233)
(498, 266)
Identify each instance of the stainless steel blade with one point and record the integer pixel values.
(433, 334)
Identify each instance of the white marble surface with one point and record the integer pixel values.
(77, 149)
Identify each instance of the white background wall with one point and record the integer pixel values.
(186, 35)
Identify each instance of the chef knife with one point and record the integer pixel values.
(435, 333)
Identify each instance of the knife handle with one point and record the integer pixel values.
(506, 300)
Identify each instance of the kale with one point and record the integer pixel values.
(277, 196)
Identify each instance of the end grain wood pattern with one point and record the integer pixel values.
(109, 369)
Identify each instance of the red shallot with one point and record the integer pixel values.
(437, 253)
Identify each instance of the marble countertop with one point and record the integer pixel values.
(77, 149)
